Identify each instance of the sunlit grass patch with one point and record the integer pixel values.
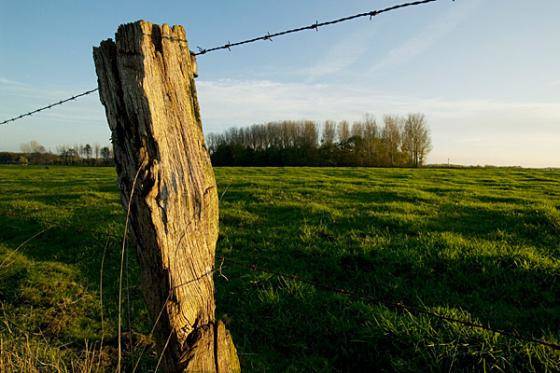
(478, 245)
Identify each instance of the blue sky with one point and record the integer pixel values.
(485, 73)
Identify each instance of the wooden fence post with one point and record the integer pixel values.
(146, 83)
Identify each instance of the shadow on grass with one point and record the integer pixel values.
(393, 259)
(443, 254)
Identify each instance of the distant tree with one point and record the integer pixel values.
(343, 131)
(213, 140)
(23, 161)
(96, 150)
(296, 143)
(371, 140)
(61, 149)
(87, 151)
(358, 130)
(391, 138)
(416, 141)
(329, 133)
(32, 147)
(9, 158)
(106, 154)
(70, 156)
(310, 134)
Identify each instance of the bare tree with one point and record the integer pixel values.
(343, 129)
(106, 154)
(32, 147)
(371, 133)
(80, 149)
(358, 130)
(416, 139)
(87, 151)
(297, 143)
(392, 137)
(61, 149)
(310, 133)
(329, 133)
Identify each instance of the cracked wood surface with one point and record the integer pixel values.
(146, 84)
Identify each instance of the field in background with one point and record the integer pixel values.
(477, 244)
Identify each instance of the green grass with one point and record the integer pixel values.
(476, 244)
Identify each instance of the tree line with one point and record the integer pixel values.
(35, 153)
(396, 142)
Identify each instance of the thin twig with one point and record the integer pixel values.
(153, 329)
(220, 269)
(128, 318)
(101, 300)
(223, 193)
(165, 303)
(22, 245)
(119, 360)
(163, 351)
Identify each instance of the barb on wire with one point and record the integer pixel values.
(405, 307)
(315, 26)
(49, 106)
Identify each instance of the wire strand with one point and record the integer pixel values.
(49, 106)
(268, 37)
(315, 26)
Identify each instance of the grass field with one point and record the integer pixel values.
(475, 244)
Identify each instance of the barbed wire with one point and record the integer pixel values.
(50, 106)
(315, 26)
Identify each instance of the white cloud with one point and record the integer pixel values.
(19, 97)
(342, 55)
(7, 82)
(423, 40)
(472, 131)
(243, 102)
(16, 89)
(349, 50)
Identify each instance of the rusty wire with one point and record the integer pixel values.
(315, 26)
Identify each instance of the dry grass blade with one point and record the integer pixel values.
(163, 351)
(152, 331)
(11, 254)
(119, 359)
(101, 300)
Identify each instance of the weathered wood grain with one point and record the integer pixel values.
(146, 83)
